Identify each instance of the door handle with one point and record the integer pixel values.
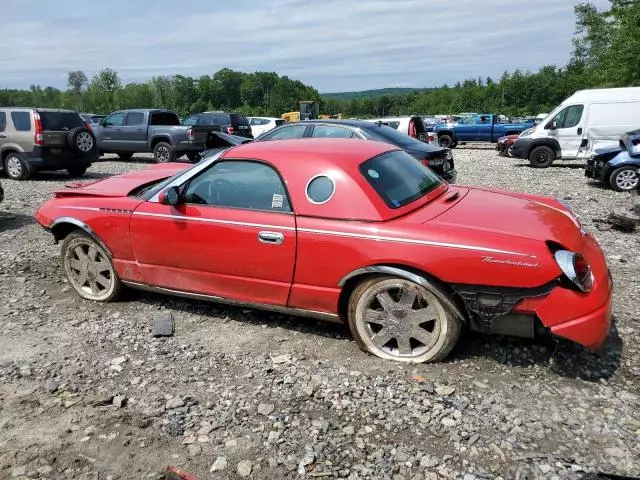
(140, 130)
(3, 136)
(273, 238)
(579, 130)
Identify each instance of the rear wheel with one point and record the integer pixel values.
(163, 152)
(89, 268)
(542, 157)
(15, 167)
(624, 179)
(396, 319)
(125, 156)
(445, 141)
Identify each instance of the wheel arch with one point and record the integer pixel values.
(8, 149)
(161, 138)
(451, 133)
(63, 226)
(546, 142)
(420, 277)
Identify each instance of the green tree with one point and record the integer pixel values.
(77, 81)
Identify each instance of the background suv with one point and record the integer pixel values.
(44, 139)
(232, 123)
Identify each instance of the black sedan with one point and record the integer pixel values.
(439, 159)
(618, 167)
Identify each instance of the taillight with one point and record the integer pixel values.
(191, 135)
(425, 161)
(412, 129)
(39, 137)
(87, 125)
(231, 130)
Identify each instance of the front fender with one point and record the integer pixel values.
(623, 158)
(61, 227)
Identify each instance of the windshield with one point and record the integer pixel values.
(382, 133)
(399, 178)
(60, 120)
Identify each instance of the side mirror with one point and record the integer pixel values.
(170, 196)
(554, 125)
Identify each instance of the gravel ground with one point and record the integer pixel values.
(86, 392)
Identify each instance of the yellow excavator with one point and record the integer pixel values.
(309, 110)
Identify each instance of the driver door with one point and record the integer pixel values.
(466, 130)
(232, 236)
(112, 138)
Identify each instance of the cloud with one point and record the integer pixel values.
(333, 45)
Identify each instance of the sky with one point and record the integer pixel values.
(332, 45)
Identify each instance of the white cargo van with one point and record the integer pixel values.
(586, 121)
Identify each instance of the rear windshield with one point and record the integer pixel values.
(60, 120)
(164, 118)
(399, 178)
(382, 133)
(239, 119)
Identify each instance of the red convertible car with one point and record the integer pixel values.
(344, 230)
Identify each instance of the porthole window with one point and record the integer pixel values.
(320, 189)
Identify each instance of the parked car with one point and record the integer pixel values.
(232, 123)
(618, 167)
(260, 125)
(476, 128)
(410, 125)
(439, 159)
(586, 121)
(126, 132)
(346, 230)
(34, 139)
(221, 141)
(92, 118)
(504, 145)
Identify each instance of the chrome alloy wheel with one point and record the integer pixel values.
(14, 166)
(162, 154)
(84, 141)
(627, 180)
(399, 320)
(89, 269)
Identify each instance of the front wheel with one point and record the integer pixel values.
(396, 319)
(624, 179)
(89, 268)
(163, 153)
(542, 157)
(445, 141)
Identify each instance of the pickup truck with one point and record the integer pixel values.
(126, 132)
(477, 128)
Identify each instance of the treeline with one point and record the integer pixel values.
(606, 46)
(259, 93)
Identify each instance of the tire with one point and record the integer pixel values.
(193, 156)
(541, 157)
(624, 179)
(125, 156)
(77, 171)
(399, 318)
(83, 142)
(445, 141)
(88, 268)
(163, 153)
(16, 168)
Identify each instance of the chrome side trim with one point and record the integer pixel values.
(83, 226)
(413, 241)
(90, 209)
(213, 220)
(328, 317)
(412, 277)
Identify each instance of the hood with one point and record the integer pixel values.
(121, 185)
(514, 215)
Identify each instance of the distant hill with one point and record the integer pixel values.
(370, 93)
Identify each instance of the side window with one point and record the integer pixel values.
(574, 114)
(294, 131)
(221, 119)
(239, 184)
(135, 118)
(327, 131)
(115, 119)
(189, 121)
(21, 121)
(3, 121)
(484, 119)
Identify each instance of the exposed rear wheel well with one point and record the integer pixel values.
(351, 284)
(5, 153)
(62, 230)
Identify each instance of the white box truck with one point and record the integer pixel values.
(586, 121)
